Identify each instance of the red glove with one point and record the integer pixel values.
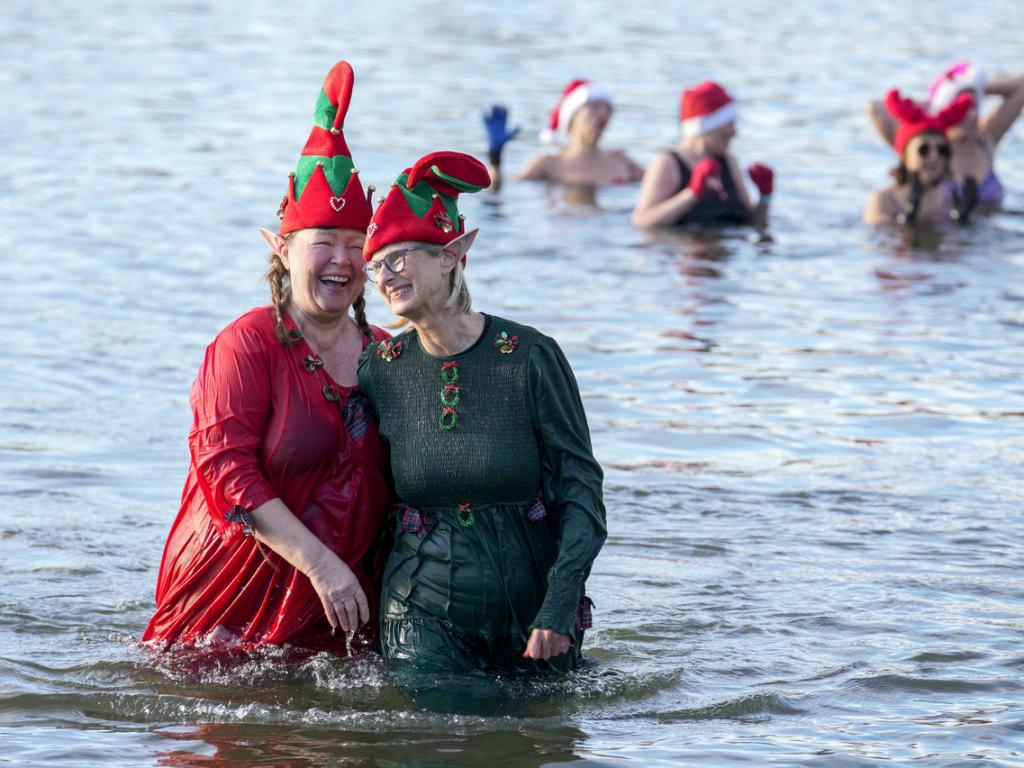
(763, 178)
(704, 173)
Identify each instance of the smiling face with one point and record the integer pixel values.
(590, 121)
(325, 271)
(421, 285)
(927, 155)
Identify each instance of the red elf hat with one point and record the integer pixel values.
(704, 108)
(422, 204)
(324, 190)
(914, 120)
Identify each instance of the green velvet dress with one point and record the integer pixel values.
(500, 514)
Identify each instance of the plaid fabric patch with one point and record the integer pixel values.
(537, 511)
(358, 414)
(238, 515)
(411, 520)
(585, 613)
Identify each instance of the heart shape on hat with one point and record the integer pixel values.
(337, 203)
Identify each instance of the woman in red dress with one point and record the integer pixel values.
(286, 494)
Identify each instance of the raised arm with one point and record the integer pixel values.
(884, 123)
(997, 122)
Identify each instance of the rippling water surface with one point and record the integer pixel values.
(812, 442)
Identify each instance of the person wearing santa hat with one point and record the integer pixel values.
(974, 140)
(699, 180)
(577, 122)
(924, 193)
(278, 535)
(500, 513)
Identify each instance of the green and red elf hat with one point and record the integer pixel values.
(422, 204)
(324, 190)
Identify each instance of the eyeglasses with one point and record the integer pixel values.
(925, 149)
(394, 261)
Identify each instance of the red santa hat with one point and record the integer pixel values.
(914, 120)
(577, 94)
(962, 76)
(704, 108)
(422, 205)
(324, 190)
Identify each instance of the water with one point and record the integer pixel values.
(812, 443)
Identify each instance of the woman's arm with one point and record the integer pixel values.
(878, 209)
(538, 169)
(231, 402)
(997, 122)
(883, 121)
(340, 593)
(572, 491)
(661, 203)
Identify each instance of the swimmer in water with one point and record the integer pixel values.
(578, 121)
(699, 181)
(924, 194)
(973, 141)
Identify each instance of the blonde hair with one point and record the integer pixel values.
(281, 290)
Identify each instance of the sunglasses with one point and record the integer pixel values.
(941, 149)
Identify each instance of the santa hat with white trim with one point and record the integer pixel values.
(704, 108)
(962, 76)
(324, 190)
(577, 94)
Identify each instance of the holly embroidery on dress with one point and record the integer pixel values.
(312, 362)
(389, 350)
(450, 396)
(465, 515)
(505, 343)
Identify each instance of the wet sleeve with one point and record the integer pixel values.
(571, 480)
(231, 401)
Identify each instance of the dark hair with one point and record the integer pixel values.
(280, 291)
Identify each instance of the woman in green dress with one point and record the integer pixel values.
(499, 515)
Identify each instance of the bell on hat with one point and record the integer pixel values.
(324, 190)
(576, 95)
(704, 108)
(422, 204)
(914, 120)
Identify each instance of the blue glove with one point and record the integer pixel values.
(498, 134)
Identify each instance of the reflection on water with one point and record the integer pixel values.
(811, 439)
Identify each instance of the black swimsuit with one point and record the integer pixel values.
(711, 209)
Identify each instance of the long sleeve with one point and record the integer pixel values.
(231, 401)
(571, 483)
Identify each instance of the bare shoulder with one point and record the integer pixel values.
(538, 169)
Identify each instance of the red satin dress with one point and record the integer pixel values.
(269, 422)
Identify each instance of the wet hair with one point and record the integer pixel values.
(281, 290)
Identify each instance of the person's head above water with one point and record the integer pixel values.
(420, 220)
(584, 110)
(707, 115)
(324, 214)
(921, 138)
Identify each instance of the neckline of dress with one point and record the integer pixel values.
(488, 320)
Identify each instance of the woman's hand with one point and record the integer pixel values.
(707, 175)
(545, 643)
(339, 591)
(763, 178)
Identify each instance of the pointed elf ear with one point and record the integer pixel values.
(450, 172)
(459, 247)
(277, 244)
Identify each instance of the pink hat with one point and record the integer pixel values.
(577, 94)
(962, 76)
(706, 107)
